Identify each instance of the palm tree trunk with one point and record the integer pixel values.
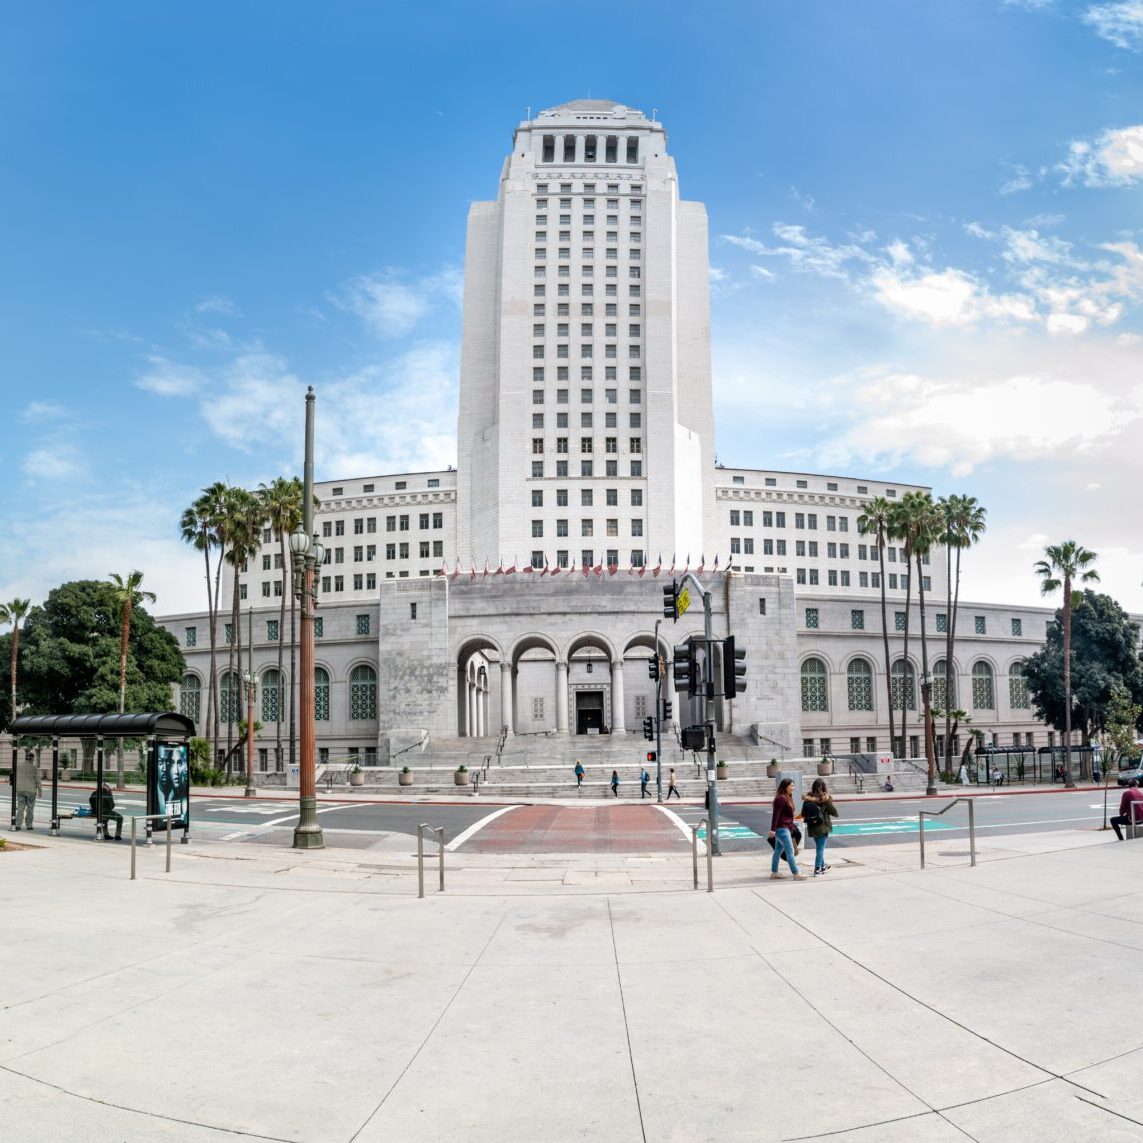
(905, 658)
(125, 634)
(885, 638)
(230, 688)
(210, 695)
(926, 689)
(1069, 781)
(948, 653)
(15, 646)
(214, 641)
(281, 633)
(952, 634)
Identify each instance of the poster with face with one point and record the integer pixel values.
(170, 783)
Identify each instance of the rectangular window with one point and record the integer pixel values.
(362, 624)
(942, 622)
(811, 618)
(190, 636)
(857, 620)
(1017, 627)
(272, 630)
(979, 624)
(898, 621)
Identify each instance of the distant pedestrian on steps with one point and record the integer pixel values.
(671, 787)
(615, 782)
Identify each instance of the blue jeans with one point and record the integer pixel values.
(819, 851)
(783, 843)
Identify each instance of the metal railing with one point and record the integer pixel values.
(439, 831)
(135, 818)
(704, 823)
(936, 814)
(857, 777)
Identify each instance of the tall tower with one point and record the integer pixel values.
(585, 429)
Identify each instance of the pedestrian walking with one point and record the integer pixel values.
(671, 787)
(579, 772)
(615, 782)
(644, 778)
(817, 810)
(962, 777)
(781, 830)
(28, 789)
(1132, 796)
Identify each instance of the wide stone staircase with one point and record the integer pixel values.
(541, 767)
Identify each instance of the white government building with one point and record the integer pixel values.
(585, 439)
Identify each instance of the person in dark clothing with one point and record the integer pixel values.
(615, 782)
(817, 810)
(1132, 796)
(644, 778)
(579, 772)
(103, 807)
(781, 825)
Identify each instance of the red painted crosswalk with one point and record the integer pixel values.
(579, 829)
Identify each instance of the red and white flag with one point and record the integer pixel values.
(659, 565)
(472, 574)
(701, 565)
(671, 573)
(545, 569)
(715, 568)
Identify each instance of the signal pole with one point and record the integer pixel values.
(658, 718)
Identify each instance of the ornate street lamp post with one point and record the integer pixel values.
(251, 693)
(307, 555)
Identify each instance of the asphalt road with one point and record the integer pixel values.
(870, 821)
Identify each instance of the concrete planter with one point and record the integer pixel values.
(460, 778)
(357, 779)
(721, 771)
(772, 771)
(825, 769)
(405, 779)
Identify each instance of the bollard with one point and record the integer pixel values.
(972, 834)
(421, 858)
(133, 824)
(168, 845)
(709, 855)
(440, 853)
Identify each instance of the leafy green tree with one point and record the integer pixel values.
(129, 594)
(964, 523)
(1103, 642)
(1119, 737)
(14, 612)
(874, 521)
(71, 655)
(1065, 565)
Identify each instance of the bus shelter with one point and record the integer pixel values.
(166, 733)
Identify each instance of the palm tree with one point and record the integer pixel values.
(963, 527)
(282, 500)
(875, 521)
(241, 529)
(13, 612)
(1064, 565)
(904, 520)
(200, 526)
(128, 595)
(928, 528)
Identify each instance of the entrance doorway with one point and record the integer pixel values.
(589, 712)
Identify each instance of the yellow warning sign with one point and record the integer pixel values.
(684, 601)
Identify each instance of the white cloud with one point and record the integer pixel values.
(947, 297)
(1067, 323)
(1119, 23)
(218, 305)
(170, 380)
(35, 411)
(256, 403)
(1030, 5)
(53, 462)
(391, 308)
(1019, 180)
(1115, 158)
(805, 253)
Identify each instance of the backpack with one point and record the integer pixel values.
(812, 814)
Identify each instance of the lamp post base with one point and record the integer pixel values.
(250, 792)
(307, 833)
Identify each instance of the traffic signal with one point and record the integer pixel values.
(650, 755)
(671, 602)
(733, 669)
(667, 708)
(686, 669)
(649, 729)
(694, 738)
(653, 668)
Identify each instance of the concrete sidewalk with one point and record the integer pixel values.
(294, 996)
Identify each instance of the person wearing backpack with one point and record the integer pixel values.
(644, 778)
(817, 810)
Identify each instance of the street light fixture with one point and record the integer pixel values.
(308, 554)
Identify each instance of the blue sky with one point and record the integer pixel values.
(926, 227)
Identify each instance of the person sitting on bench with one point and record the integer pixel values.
(103, 807)
(1132, 796)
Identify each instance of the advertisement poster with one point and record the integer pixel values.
(169, 792)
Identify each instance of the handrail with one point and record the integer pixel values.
(857, 776)
(922, 814)
(694, 855)
(439, 831)
(150, 818)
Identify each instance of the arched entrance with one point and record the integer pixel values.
(596, 693)
(478, 669)
(535, 684)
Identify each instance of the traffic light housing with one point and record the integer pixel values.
(694, 738)
(686, 669)
(667, 708)
(733, 668)
(671, 602)
(653, 668)
(649, 729)
(650, 755)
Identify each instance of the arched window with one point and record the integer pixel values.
(1018, 697)
(229, 697)
(271, 696)
(321, 694)
(983, 694)
(190, 697)
(362, 693)
(944, 688)
(815, 692)
(904, 681)
(859, 684)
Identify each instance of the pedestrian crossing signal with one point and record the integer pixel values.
(649, 729)
(650, 755)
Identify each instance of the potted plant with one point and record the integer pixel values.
(825, 766)
(772, 768)
(356, 775)
(405, 777)
(461, 775)
(722, 770)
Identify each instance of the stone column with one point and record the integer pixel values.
(470, 723)
(480, 727)
(561, 697)
(618, 707)
(506, 695)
